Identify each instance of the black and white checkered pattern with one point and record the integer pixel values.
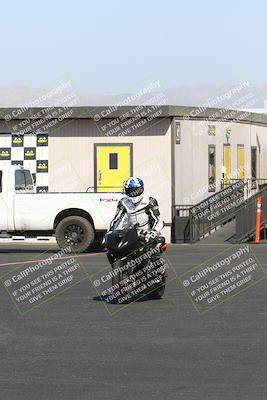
(29, 150)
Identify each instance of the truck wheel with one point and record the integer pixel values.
(76, 232)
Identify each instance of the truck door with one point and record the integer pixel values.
(22, 205)
(113, 165)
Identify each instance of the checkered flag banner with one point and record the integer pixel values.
(29, 150)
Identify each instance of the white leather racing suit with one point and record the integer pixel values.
(145, 213)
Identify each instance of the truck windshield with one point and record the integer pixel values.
(23, 180)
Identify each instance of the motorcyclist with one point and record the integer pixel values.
(138, 208)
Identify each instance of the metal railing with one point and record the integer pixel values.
(194, 222)
(238, 201)
(253, 185)
(182, 210)
(181, 227)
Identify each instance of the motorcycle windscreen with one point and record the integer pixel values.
(122, 224)
(123, 242)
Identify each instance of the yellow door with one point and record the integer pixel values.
(113, 167)
(227, 164)
(241, 162)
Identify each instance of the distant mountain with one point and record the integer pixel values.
(239, 96)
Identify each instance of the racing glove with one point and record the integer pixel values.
(149, 235)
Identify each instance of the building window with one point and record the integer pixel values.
(211, 130)
(177, 132)
(254, 162)
(113, 160)
(212, 168)
(241, 161)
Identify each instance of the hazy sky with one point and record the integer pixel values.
(117, 46)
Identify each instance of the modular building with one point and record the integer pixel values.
(181, 153)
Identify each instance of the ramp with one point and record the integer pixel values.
(225, 234)
(193, 223)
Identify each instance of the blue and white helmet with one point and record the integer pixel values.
(134, 189)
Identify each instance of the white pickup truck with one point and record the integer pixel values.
(76, 219)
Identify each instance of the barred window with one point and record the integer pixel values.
(212, 168)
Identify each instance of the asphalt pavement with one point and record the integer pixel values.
(75, 345)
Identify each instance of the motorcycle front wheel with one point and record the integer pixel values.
(117, 283)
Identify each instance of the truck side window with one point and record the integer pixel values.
(23, 180)
(0, 181)
(28, 180)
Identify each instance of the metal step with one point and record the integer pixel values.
(21, 238)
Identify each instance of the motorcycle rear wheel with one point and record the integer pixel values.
(157, 293)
